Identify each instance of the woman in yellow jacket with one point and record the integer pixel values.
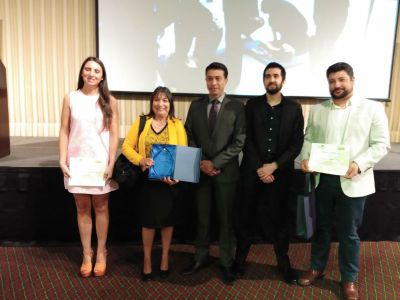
(158, 199)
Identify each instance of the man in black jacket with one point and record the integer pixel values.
(274, 137)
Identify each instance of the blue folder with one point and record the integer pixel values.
(178, 162)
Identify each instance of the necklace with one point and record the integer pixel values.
(159, 124)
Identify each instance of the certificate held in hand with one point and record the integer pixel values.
(86, 171)
(329, 158)
(178, 162)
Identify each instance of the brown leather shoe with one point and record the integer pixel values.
(350, 291)
(309, 277)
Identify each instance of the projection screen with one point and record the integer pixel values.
(146, 43)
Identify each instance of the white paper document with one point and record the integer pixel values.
(86, 171)
(329, 158)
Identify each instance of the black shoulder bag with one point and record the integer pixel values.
(125, 173)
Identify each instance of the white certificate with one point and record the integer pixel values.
(86, 171)
(329, 158)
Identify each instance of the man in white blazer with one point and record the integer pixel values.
(362, 125)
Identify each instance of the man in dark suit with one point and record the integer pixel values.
(216, 124)
(274, 137)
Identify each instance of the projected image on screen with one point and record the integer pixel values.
(145, 43)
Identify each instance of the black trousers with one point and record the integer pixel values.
(264, 206)
(208, 191)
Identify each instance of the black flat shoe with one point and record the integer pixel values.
(164, 273)
(147, 276)
(227, 276)
(194, 267)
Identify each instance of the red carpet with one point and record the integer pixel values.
(52, 273)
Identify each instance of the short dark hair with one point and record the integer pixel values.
(340, 66)
(167, 92)
(218, 66)
(273, 65)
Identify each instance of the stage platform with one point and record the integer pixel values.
(43, 152)
(35, 207)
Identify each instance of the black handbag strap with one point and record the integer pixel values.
(141, 124)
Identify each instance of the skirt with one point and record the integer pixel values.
(159, 204)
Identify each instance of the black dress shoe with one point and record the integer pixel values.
(193, 267)
(147, 276)
(164, 273)
(289, 275)
(238, 269)
(227, 276)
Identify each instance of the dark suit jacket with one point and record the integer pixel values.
(223, 146)
(291, 135)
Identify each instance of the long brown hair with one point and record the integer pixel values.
(104, 97)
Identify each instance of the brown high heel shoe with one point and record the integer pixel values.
(86, 267)
(100, 267)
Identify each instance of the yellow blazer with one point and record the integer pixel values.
(135, 151)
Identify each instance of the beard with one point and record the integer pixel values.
(343, 94)
(273, 89)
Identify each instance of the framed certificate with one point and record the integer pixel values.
(329, 158)
(164, 161)
(86, 171)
